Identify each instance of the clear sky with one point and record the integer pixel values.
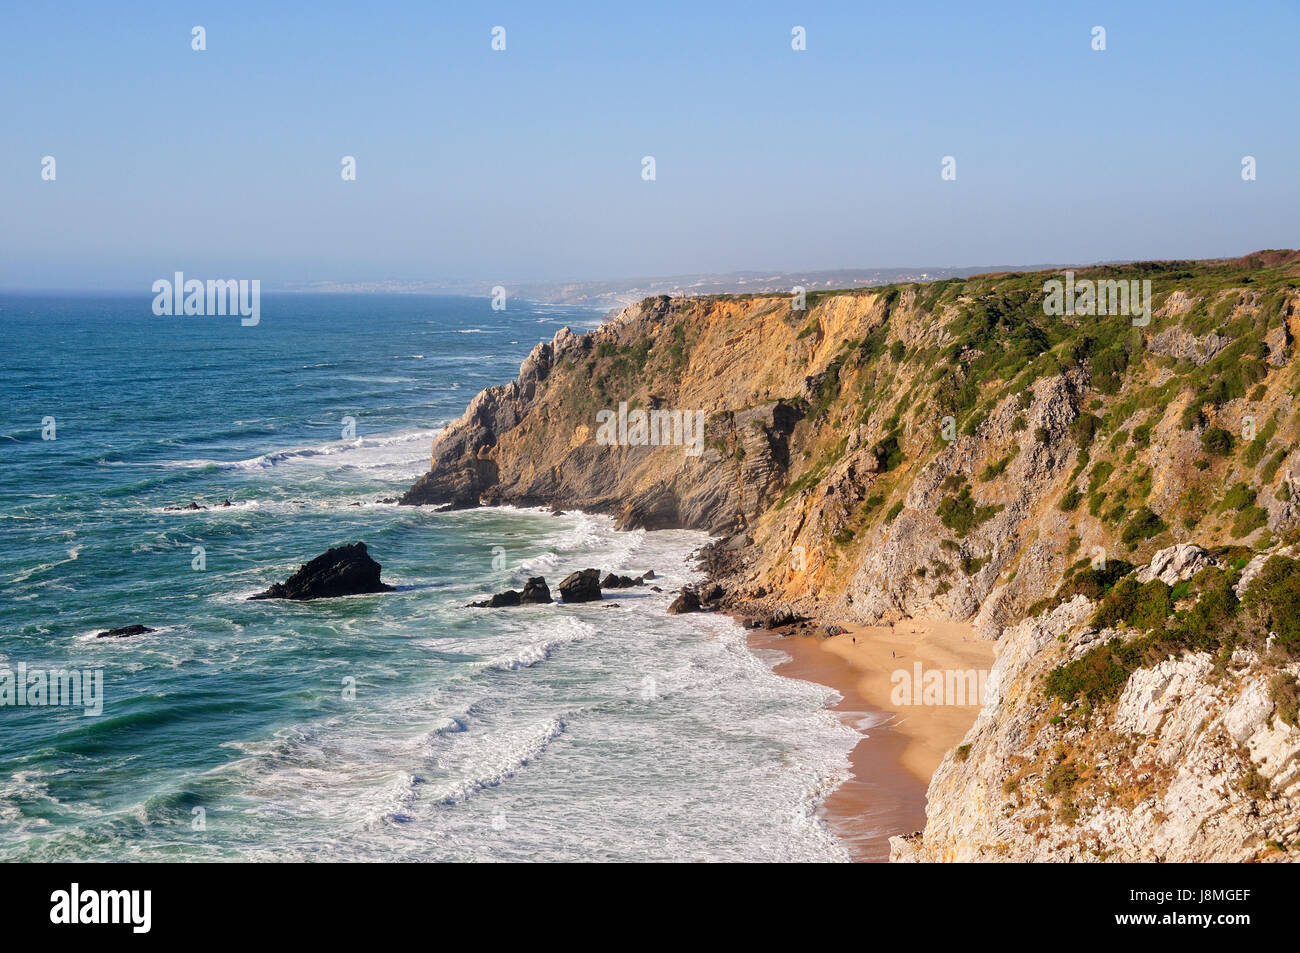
(526, 164)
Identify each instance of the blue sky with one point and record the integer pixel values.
(526, 164)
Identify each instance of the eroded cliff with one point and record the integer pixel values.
(952, 450)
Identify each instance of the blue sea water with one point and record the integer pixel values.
(400, 726)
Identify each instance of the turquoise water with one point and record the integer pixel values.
(399, 726)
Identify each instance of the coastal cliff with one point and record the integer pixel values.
(951, 450)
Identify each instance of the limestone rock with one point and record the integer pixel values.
(1176, 563)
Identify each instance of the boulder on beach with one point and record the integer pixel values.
(340, 571)
(782, 617)
(123, 632)
(712, 593)
(581, 586)
(688, 601)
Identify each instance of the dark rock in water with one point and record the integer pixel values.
(387, 499)
(688, 601)
(188, 506)
(123, 632)
(227, 502)
(648, 574)
(712, 593)
(612, 581)
(536, 592)
(581, 586)
(508, 598)
(655, 589)
(556, 511)
(341, 571)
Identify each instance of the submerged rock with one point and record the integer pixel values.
(123, 632)
(535, 593)
(581, 586)
(508, 598)
(612, 581)
(340, 571)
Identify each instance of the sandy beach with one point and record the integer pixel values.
(905, 740)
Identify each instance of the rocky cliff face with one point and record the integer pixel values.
(1195, 757)
(945, 450)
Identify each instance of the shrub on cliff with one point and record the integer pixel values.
(1272, 602)
(961, 513)
(1099, 675)
(1249, 520)
(1217, 442)
(1213, 624)
(1094, 583)
(1144, 524)
(1084, 427)
(1142, 606)
(1238, 498)
(888, 453)
(1285, 694)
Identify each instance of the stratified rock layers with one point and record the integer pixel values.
(946, 450)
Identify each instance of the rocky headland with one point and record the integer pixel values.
(1110, 502)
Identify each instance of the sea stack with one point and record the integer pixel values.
(340, 571)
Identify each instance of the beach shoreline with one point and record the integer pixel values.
(902, 744)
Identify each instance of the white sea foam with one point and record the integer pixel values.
(555, 732)
(73, 555)
(397, 448)
(497, 757)
(560, 632)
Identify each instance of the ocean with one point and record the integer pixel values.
(401, 726)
